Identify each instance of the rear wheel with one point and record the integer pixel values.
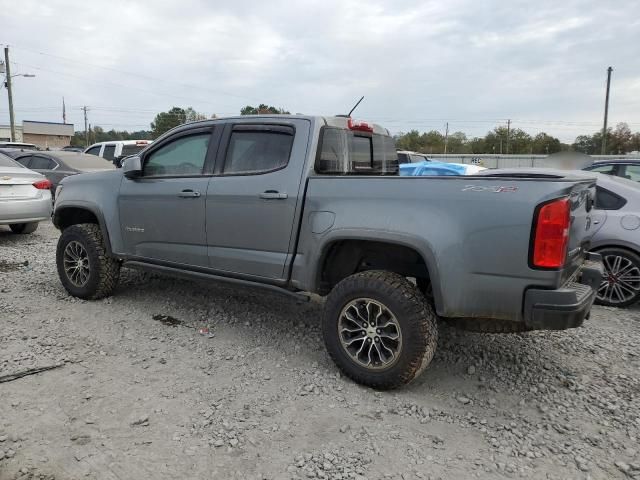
(620, 285)
(379, 329)
(24, 228)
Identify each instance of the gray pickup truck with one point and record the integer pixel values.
(314, 204)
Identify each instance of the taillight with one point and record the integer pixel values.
(551, 235)
(42, 184)
(359, 126)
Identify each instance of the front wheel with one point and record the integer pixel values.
(24, 228)
(84, 268)
(620, 285)
(379, 329)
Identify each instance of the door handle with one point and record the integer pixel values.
(273, 195)
(189, 194)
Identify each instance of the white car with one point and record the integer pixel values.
(25, 196)
(117, 149)
(19, 145)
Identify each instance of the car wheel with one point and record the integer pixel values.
(379, 329)
(24, 228)
(84, 268)
(620, 285)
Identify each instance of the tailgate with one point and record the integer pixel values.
(580, 189)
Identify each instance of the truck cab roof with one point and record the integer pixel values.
(336, 121)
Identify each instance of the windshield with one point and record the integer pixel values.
(6, 161)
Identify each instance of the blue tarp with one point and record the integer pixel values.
(431, 169)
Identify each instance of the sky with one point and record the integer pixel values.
(419, 63)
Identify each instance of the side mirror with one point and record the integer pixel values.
(132, 167)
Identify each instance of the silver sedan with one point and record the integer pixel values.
(25, 197)
(617, 217)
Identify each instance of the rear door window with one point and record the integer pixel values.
(24, 161)
(41, 163)
(259, 149)
(109, 152)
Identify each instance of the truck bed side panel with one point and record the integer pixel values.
(473, 233)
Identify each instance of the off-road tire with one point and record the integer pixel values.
(415, 316)
(104, 271)
(24, 228)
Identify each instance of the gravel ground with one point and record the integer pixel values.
(142, 393)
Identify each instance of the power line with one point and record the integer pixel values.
(139, 75)
(128, 87)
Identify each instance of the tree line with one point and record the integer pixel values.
(497, 141)
(620, 140)
(500, 140)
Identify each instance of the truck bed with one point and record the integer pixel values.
(474, 232)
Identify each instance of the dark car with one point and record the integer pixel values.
(629, 169)
(58, 165)
(71, 148)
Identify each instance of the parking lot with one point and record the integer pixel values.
(142, 389)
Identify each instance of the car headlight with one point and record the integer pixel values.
(58, 191)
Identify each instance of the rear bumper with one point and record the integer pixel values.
(566, 307)
(26, 211)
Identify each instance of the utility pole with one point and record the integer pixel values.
(10, 93)
(508, 132)
(86, 132)
(606, 112)
(446, 137)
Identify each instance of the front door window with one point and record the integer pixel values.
(184, 156)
